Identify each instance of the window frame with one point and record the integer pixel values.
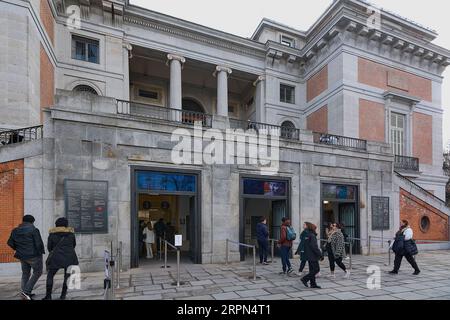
(287, 41)
(284, 86)
(398, 134)
(87, 42)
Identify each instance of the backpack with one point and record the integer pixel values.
(290, 234)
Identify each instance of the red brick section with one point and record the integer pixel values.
(380, 76)
(318, 120)
(47, 19)
(413, 209)
(11, 204)
(47, 81)
(423, 137)
(371, 121)
(317, 84)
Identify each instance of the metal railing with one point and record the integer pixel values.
(20, 135)
(283, 132)
(339, 141)
(406, 163)
(239, 244)
(412, 183)
(163, 113)
(272, 249)
(167, 243)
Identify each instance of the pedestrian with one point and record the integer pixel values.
(346, 242)
(149, 239)
(301, 249)
(287, 235)
(61, 247)
(312, 255)
(262, 236)
(160, 232)
(405, 246)
(141, 237)
(336, 250)
(27, 243)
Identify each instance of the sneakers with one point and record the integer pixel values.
(332, 276)
(282, 272)
(25, 296)
(417, 272)
(265, 263)
(305, 283)
(47, 297)
(290, 271)
(315, 287)
(347, 274)
(318, 275)
(393, 272)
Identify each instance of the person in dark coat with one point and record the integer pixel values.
(27, 243)
(404, 246)
(160, 232)
(301, 248)
(61, 246)
(285, 246)
(262, 236)
(312, 255)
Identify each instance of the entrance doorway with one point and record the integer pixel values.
(167, 202)
(340, 205)
(262, 198)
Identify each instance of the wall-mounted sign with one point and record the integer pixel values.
(380, 213)
(86, 205)
(178, 240)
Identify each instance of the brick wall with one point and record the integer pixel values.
(11, 204)
(371, 121)
(387, 78)
(317, 84)
(47, 19)
(413, 209)
(47, 81)
(318, 120)
(423, 137)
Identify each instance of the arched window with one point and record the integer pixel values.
(288, 130)
(192, 111)
(192, 105)
(85, 88)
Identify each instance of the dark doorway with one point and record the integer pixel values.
(261, 197)
(169, 195)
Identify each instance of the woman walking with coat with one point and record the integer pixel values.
(301, 249)
(404, 246)
(312, 255)
(61, 246)
(336, 250)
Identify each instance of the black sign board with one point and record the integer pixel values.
(86, 205)
(380, 213)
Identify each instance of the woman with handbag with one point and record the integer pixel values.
(61, 246)
(405, 246)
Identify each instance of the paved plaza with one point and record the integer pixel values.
(231, 282)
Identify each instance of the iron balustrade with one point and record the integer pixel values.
(415, 185)
(284, 132)
(20, 135)
(339, 141)
(406, 163)
(163, 113)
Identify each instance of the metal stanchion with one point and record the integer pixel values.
(178, 267)
(160, 248)
(119, 263)
(254, 262)
(389, 252)
(272, 250)
(226, 252)
(370, 241)
(351, 249)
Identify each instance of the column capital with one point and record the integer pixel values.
(258, 80)
(222, 69)
(172, 56)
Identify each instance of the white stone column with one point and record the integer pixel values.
(260, 103)
(127, 55)
(222, 90)
(175, 97)
(409, 131)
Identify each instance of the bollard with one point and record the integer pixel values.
(254, 262)
(226, 252)
(178, 267)
(272, 248)
(370, 242)
(389, 252)
(165, 255)
(160, 248)
(351, 249)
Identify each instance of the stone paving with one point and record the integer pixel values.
(231, 282)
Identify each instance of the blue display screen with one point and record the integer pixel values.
(160, 181)
(265, 188)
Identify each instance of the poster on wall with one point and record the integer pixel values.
(380, 213)
(86, 205)
(265, 188)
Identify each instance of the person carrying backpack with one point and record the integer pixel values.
(285, 244)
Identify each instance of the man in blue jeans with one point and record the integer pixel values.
(285, 247)
(27, 242)
(262, 235)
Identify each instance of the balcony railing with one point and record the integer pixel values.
(163, 113)
(406, 163)
(339, 141)
(8, 137)
(279, 131)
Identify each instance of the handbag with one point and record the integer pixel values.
(50, 255)
(411, 247)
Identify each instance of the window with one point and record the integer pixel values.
(148, 94)
(287, 94)
(288, 130)
(425, 224)
(398, 133)
(85, 49)
(287, 41)
(85, 88)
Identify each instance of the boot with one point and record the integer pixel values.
(47, 297)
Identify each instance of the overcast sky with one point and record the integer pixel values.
(241, 17)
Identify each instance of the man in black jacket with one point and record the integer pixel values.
(312, 255)
(27, 242)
